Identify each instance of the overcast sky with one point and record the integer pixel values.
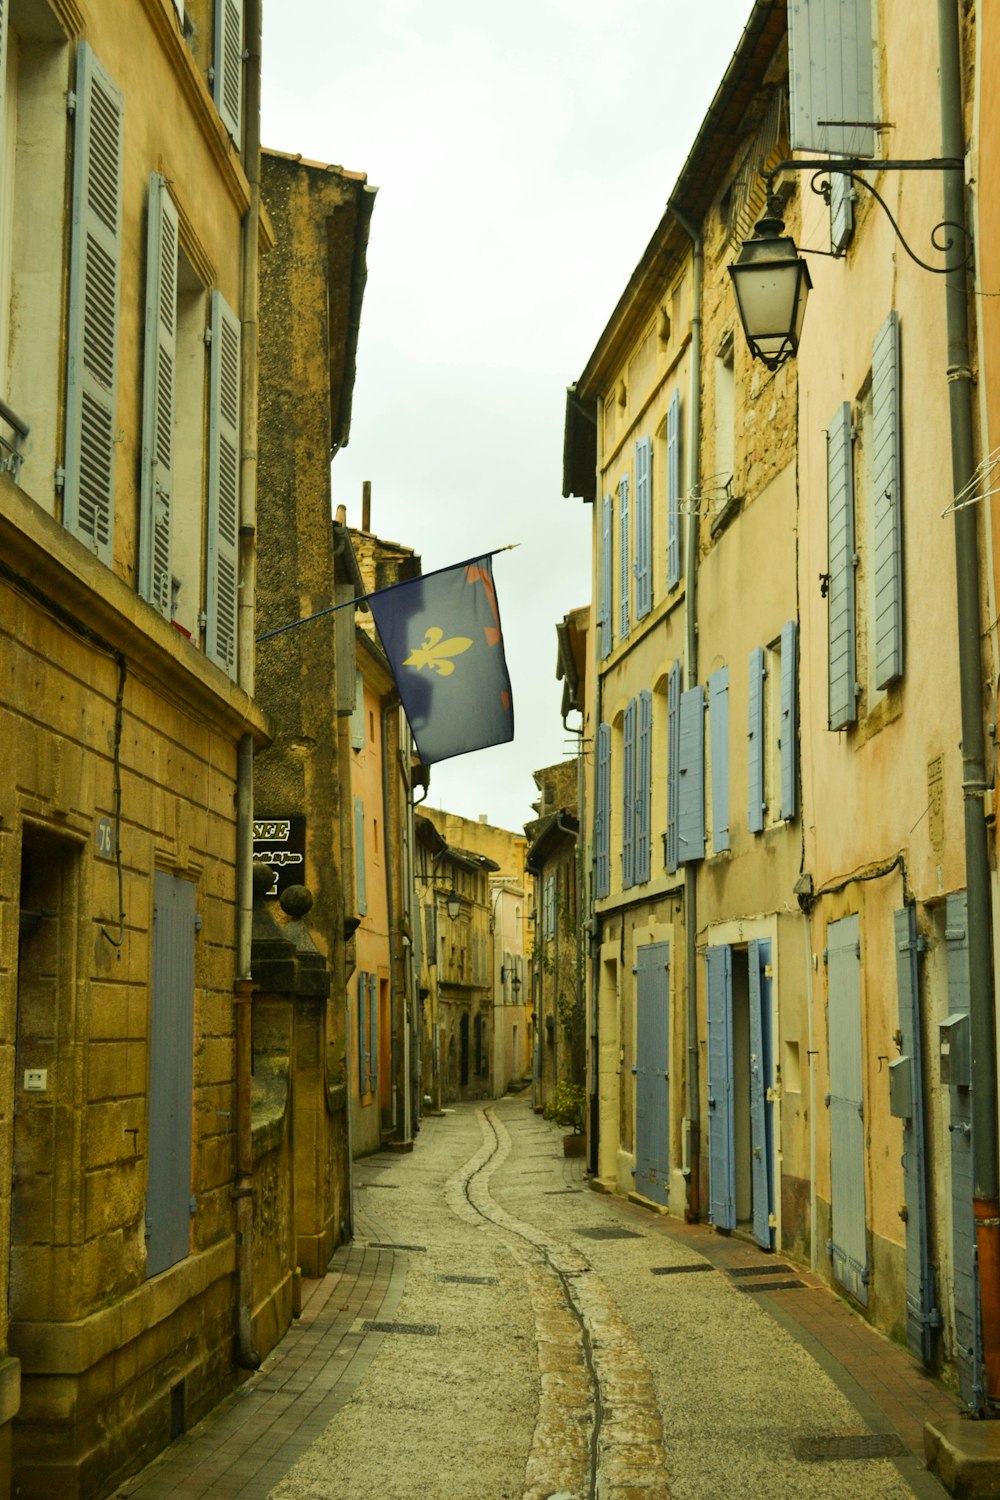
(523, 153)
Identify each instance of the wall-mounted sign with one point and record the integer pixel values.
(104, 835)
(281, 843)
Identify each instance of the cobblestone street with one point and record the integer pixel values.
(497, 1330)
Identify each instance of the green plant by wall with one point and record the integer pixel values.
(566, 1106)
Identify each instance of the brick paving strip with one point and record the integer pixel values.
(599, 1430)
(246, 1446)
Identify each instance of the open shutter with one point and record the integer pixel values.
(373, 1031)
(227, 80)
(223, 486)
(644, 787)
(674, 491)
(831, 76)
(843, 702)
(624, 557)
(848, 1244)
(673, 765)
(92, 332)
(921, 1314)
(628, 796)
(887, 491)
(360, 885)
(755, 742)
(965, 1271)
(602, 813)
(691, 808)
(842, 195)
(721, 1164)
(643, 529)
(789, 736)
(718, 719)
(761, 1090)
(606, 576)
(358, 713)
(158, 398)
(363, 1086)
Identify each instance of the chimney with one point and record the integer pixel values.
(366, 505)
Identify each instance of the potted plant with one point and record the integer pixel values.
(566, 1107)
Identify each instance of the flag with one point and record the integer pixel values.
(442, 636)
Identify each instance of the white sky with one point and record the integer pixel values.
(523, 154)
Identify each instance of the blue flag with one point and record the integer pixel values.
(442, 636)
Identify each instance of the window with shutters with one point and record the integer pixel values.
(222, 580)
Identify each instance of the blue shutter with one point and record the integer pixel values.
(921, 1314)
(842, 195)
(358, 716)
(843, 702)
(360, 884)
(156, 484)
(602, 813)
(761, 1087)
(673, 765)
(691, 808)
(606, 577)
(624, 557)
(628, 796)
(789, 733)
(363, 1087)
(718, 718)
(965, 1277)
(92, 330)
(644, 792)
(887, 492)
(373, 1031)
(223, 487)
(831, 76)
(643, 528)
(848, 1232)
(171, 1073)
(674, 491)
(227, 80)
(721, 1165)
(755, 741)
(652, 1079)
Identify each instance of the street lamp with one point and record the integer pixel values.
(507, 971)
(452, 900)
(771, 282)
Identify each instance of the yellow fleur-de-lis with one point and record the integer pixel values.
(435, 651)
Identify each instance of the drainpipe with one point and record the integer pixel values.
(247, 1356)
(691, 677)
(986, 1177)
(397, 999)
(593, 918)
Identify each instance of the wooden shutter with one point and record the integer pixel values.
(373, 1032)
(644, 786)
(602, 813)
(755, 742)
(761, 1092)
(643, 529)
(227, 81)
(721, 1163)
(363, 1084)
(848, 1245)
(831, 76)
(223, 486)
(652, 1062)
(92, 331)
(624, 557)
(673, 764)
(358, 714)
(843, 702)
(887, 492)
(606, 580)
(360, 883)
(156, 487)
(628, 796)
(718, 718)
(965, 1273)
(921, 1314)
(674, 491)
(789, 735)
(691, 807)
(171, 1073)
(842, 195)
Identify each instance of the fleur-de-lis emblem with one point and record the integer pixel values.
(435, 652)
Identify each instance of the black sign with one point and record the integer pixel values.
(281, 843)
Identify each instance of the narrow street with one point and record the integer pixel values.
(499, 1332)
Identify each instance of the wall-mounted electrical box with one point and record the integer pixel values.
(956, 1060)
(36, 1080)
(901, 1088)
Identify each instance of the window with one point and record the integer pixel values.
(643, 565)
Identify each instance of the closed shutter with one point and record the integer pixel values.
(363, 1084)
(227, 81)
(360, 885)
(831, 76)
(158, 398)
(843, 702)
(691, 806)
(965, 1274)
(628, 796)
(644, 789)
(373, 1031)
(887, 492)
(755, 741)
(674, 491)
(358, 714)
(721, 1163)
(223, 486)
(92, 331)
(842, 196)
(643, 528)
(624, 557)
(602, 813)
(171, 1073)
(606, 576)
(848, 1245)
(673, 765)
(789, 734)
(718, 724)
(921, 1314)
(652, 1077)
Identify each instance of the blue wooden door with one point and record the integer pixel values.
(848, 1245)
(652, 1076)
(761, 1084)
(908, 1105)
(968, 1332)
(721, 1165)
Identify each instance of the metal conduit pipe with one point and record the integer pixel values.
(399, 1054)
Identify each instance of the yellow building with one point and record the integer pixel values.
(129, 229)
